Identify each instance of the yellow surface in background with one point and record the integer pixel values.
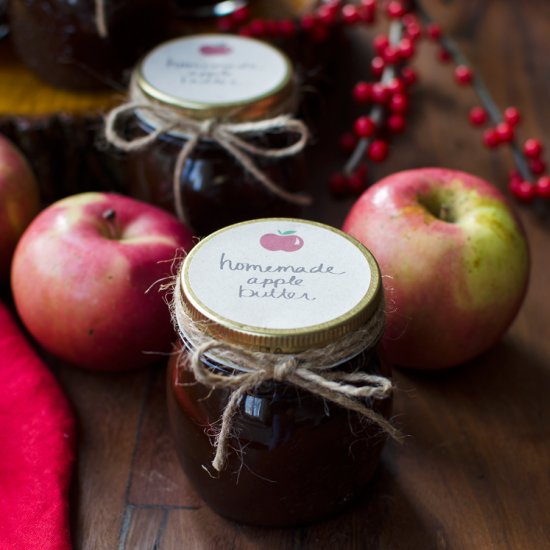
(22, 93)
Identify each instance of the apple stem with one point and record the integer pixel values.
(110, 217)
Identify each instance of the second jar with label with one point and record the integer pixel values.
(234, 98)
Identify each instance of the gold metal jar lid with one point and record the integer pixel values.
(280, 285)
(220, 76)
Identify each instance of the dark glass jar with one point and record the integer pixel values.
(296, 458)
(285, 287)
(216, 191)
(224, 80)
(62, 42)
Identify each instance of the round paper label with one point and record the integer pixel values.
(215, 70)
(278, 274)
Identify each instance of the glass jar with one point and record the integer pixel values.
(226, 80)
(69, 46)
(293, 456)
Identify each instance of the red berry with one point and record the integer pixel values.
(240, 15)
(366, 14)
(350, 14)
(377, 66)
(362, 92)
(287, 28)
(370, 4)
(357, 183)
(433, 30)
(395, 9)
(364, 127)
(537, 166)
(478, 116)
(409, 19)
(490, 138)
(379, 93)
(391, 55)
(338, 184)
(348, 141)
(542, 187)
(395, 86)
(327, 14)
(396, 123)
(258, 27)
(399, 103)
(505, 132)
(443, 54)
(532, 148)
(378, 150)
(380, 43)
(308, 21)
(523, 190)
(406, 48)
(463, 74)
(409, 76)
(512, 116)
(414, 31)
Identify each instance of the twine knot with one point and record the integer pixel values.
(229, 136)
(283, 371)
(311, 370)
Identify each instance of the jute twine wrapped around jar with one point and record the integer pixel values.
(230, 136)
(311, 370)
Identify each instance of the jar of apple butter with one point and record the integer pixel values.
(210, 130)
(83, 44)
(277, 399)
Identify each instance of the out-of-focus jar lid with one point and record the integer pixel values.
(280, 285)
(218, 76)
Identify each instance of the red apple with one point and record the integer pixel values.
(19, 201)
(454, 259)
(282, 240)
(85, 279)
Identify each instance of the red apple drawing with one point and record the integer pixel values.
(215, 49)
(454, 259)
(83, 280)
(287, 241)
(19, 201)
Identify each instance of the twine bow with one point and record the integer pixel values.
(312, 370)
(226, 135)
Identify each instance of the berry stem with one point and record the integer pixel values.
(377, 112)
(480, 89)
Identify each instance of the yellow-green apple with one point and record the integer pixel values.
(454, 259)
(19, 201)
(84, 279)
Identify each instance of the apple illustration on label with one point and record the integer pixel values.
(215, 49)
(287, 241)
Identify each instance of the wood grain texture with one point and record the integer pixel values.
(474, 469)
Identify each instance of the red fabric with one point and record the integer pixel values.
(36, 447)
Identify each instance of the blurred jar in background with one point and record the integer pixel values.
(84, 44)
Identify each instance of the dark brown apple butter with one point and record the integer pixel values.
(295, 458)
(216, 191)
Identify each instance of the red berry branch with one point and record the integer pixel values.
(386, 94)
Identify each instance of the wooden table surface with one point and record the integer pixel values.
(474, 472)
